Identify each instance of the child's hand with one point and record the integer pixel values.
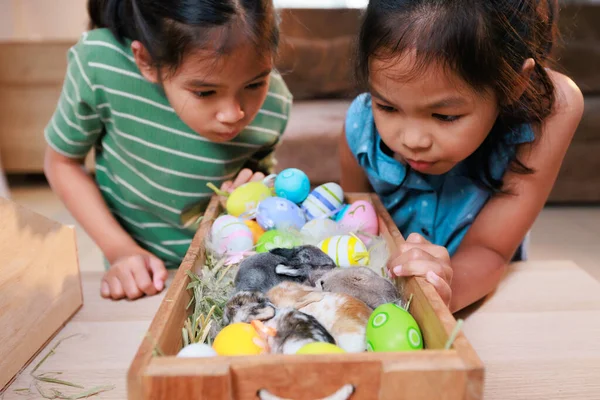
(244, 176)
(133, 276)
(418, 257)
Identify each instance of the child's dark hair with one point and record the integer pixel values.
(485, 42)
(169, 29)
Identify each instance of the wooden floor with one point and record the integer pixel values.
(560, 233)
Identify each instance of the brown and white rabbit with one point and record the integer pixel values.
(342, 315)
(286, 330)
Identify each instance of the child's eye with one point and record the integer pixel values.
(205, 94)
(385, 108)
(446, 118)
(256, 85)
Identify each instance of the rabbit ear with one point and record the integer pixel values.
(288, 271)
(283, 252)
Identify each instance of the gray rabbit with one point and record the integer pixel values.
(359, 282)
(261, 272)
(246, 307)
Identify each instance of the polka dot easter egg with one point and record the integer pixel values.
(345, 250)
(392, 328)
(246, 198)
(360, 215)
(279, 213)
(325, 200)
(292, 184)
(230, 234)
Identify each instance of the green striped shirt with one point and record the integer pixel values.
(151, 168)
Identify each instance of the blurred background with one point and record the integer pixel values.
(315, 61)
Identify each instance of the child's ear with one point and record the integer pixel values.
(525, 76)
(144, 61)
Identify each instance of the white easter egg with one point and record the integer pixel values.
(323, 200)
(231, 235)
(319, 229)
(197, 350)
(346, 250)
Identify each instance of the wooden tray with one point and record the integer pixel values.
(432, 373)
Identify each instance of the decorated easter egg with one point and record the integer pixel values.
(292, 184)
(360, 215)
(392, 328)
(230, 234)
(279, 213)
(341, 213)
(323, 200)
(275, 239)
(255, 228)
(197, 350)
(237, 339)
(320, 348)
(246, 198)
(345, 250)
(319, 229)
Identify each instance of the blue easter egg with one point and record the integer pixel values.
(340, 214)
(279, 213)
(325, 200)
(292, 184)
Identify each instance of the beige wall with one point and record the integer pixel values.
(42, 19)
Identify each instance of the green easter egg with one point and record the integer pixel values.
(246, 198)
(392, 328)
(274, 239)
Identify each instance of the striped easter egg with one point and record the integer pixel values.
(230, 234)
(323, 200)
(346, 250)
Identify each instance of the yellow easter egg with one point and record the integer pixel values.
(246, 198)
(320, 348)
(346, 250)
(255, 228)
(237, 340)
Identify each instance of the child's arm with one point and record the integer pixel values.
(481, 259)
(134, 271)
(353, 177)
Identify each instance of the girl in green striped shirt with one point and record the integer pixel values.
(171, 96)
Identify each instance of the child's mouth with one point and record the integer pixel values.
(421, 166)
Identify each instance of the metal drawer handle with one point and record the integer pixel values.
(343, 393)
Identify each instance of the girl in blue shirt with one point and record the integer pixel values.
(462, 132)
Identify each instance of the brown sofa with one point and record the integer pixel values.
(319, 74)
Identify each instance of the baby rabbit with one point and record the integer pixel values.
(246, 307)
(359, 282)
(260, 272)
(342, 315)
(293, 329)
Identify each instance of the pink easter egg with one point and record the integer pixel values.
(361, 216)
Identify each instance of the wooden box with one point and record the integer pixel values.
(433, 373)
(40, 285)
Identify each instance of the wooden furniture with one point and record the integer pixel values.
(40, 285)
(433, 373)
(537, 336)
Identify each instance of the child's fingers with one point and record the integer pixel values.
(243, 177)
(126, 278)
(436, 251)
(421, 268)
(142, 277)
(159, 272)
(116, 289)
(104, 288)
(257, 177)
(416, 238)
(227, 186)
(441, 286)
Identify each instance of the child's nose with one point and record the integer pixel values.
(231, 113)
(417, 140)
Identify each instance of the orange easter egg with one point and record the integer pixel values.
(255, 228)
